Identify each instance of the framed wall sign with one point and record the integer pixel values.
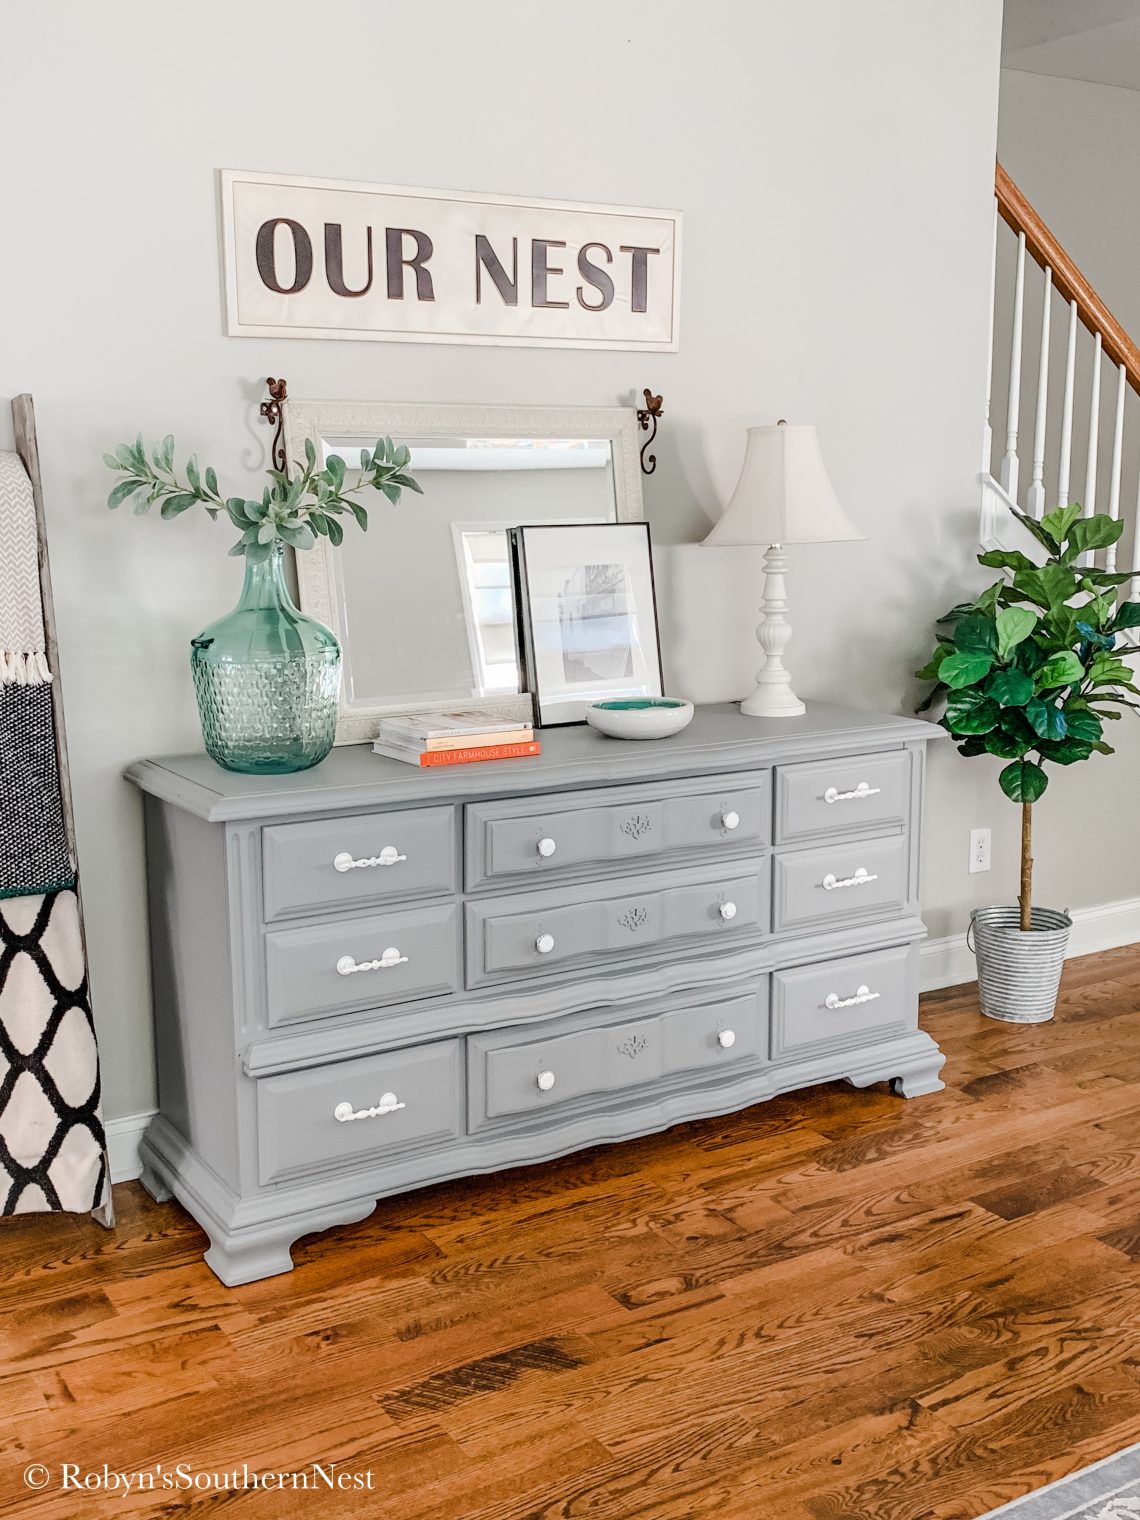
(587, 616)
(321, 258)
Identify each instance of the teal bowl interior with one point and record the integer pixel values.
(637, 704)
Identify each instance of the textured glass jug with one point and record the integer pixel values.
(267, 679)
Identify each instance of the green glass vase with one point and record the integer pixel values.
(267, 679)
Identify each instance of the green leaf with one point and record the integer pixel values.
(1023, 781)
(112, 461)
(192, 474)
(299, 538)
(211, 481)
(267, 532)
(1046, 719)
(336, 533)
(173, 505)
(334, 469)
(124, 489)
(1050, 586)
(929, 700)
(235, 506)
(310, 453)
(1058, 522)
(1011, 688)
(977, 634)
(959, 670)
(973, 744)
(1006, 746)
(1061, 669)
(1066, 752)
(929, 671)
(257, 554)
(1093, 533)
(970, 712)
(168, 451)
(238, 548)
(1006, 559)
(1039, 532)
(1083, 724)
(1108, 668)
(1014, 625)
(1127, 616)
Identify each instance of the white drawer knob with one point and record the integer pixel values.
(727, 911)
(388, 856)
(726, 1039)
(544, 944)
(545, 1080)
(344, 1113)
(546, 848)
(730, 820)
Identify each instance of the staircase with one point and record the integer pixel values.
(1076, 337)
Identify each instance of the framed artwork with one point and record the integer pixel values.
(586, 615)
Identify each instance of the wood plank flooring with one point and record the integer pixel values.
(835, 1306)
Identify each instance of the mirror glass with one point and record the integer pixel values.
(424, 596)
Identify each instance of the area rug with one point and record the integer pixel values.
(1109, 1490)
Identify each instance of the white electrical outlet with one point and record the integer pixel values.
(979, 850)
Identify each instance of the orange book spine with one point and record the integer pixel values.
(488, 752)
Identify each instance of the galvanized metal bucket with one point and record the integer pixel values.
(1019, 970)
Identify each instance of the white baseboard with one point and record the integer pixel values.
(943, 963)
(950, 961)
(123, 1136)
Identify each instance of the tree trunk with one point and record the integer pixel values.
(1026, 865)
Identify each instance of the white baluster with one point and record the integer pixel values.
(987, 431)
(1134, 583)
(1067, 410)
(1117, 454)
(1035, 501)
(1089, 503)
(1013, 405)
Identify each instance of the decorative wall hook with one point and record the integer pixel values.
(273, 411)
(649, 414)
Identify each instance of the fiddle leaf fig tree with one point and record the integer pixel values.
(293, 510)
(1031, 670)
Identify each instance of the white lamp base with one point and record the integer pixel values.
(773, 697)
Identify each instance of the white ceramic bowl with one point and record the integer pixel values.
(640, 717)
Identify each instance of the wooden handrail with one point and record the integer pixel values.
(1068, 280)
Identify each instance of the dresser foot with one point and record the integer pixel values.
(920, 1079)
(154, 1185)
(237, 1262)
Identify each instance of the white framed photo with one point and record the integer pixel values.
(587, 616)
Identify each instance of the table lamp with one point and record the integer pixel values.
(783, 496)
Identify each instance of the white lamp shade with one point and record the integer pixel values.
(783, 495)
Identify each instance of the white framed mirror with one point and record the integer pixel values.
(421, 602)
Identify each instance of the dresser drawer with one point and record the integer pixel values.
(397, 957)
(401, 1099)
(843, 1002)
(842, 882)
(523, 1072)
(556, 837)
(356, 860)
(537, 933)
(859, 794)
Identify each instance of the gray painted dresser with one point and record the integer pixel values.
(369, 977)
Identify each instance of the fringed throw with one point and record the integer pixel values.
(23, 653)
(34, 852)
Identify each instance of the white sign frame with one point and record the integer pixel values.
(662, 281)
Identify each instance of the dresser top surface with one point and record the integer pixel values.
(720, 738)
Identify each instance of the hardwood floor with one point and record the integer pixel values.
(835, 1305)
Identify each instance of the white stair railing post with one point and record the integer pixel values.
(1134, 583)
(987, 431)
(1035, 499)
(1117, 457)
(1089, 503)
(1013, 404)
(1066, 457)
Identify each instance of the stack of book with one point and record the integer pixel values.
(457, 737)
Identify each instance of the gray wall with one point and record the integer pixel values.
(834, 164)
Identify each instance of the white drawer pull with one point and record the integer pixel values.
(344, 1113)
(727, 911)
(726, 1039)
(391, 957)
(388, 856)
(546, 848)
(730, 820)
(855, 795)
(832, 883)
(545, 1080)
(544, 944)
(862, 995)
